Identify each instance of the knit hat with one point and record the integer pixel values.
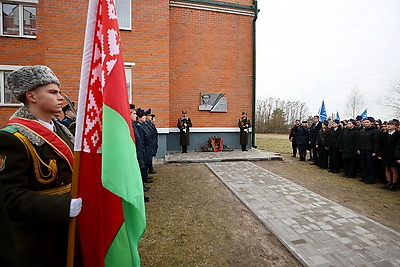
(29, 78)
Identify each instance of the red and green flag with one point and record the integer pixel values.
(112, 220)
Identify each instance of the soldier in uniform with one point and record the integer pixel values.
(36, 169)
(244, 125)
(140, 151)
(154, 138)
(146, 138)
(184, 124)
(69, 115)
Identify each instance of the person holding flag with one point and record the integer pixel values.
(113, 220)
(36, 163)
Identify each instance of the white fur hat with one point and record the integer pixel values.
(29, 78)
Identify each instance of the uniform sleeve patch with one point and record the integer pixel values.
(2, 162)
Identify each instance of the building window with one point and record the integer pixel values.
(124, 14)
(18, 20)
(128, 75)
(6, 98)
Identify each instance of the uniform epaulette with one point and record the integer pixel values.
(9, 129)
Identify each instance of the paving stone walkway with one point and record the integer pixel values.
(318, 231)
(234, 155)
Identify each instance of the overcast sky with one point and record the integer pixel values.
(310, 50)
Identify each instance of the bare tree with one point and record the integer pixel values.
(276, 115)
(354, 103)
(392, 98)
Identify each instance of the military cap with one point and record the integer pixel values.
(326, 123)
(28, 79)
(147, 112)
(304, 122)
(336, 121)
(371, 119)
(244, 113)
(184, 112)
(358, 118)
(67, 106)
(132, 106)
(152, 115)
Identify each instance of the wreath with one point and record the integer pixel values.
(215, 144)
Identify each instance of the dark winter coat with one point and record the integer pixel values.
(368, 140)
(387, 145)
(314, 130)
(335, 137)
(302, 138)
(293, 133)
(323, 138)
(146, 135)
(39, 220)
(140, 151)
(349, 143)
(244, 125)
(184, 125)
(397, 151)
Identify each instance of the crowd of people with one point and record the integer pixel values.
(366, 147)
(146, 136)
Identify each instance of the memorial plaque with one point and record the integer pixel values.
(213, 102)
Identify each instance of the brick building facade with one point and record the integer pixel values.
(174, 50)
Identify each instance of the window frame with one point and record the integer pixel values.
(129, 28)
(21, 4)
(6, 68)
(128, 75)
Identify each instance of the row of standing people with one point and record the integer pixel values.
(367, 146)
(146, 137)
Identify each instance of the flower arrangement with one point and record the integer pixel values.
(215, 144)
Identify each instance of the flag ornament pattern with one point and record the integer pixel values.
(112, 220)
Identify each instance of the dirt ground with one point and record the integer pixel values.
(194, 220)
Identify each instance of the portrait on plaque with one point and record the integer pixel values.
(213, 102)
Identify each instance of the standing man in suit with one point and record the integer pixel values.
(184, 124)
(244, 125)
(314, 130)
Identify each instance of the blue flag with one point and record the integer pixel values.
(337, 116)
(322, 112)
(364, 114)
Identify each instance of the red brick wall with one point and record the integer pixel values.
(59, 45)
(179, 53)
(210, 52)
(149, 49)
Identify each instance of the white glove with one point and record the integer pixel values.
(75, 207)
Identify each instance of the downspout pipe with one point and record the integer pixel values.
(253, 132)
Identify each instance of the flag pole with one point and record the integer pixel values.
(72, 222)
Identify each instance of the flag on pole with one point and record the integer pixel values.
(364, 114)
(322, 112)
(113, 218)
(337, 115)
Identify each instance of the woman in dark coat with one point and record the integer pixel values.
(349, 151)
(386, 154)
(302, 140)
(322, 145)
(335, 138)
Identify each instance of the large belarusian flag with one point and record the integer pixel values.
(113, 218)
